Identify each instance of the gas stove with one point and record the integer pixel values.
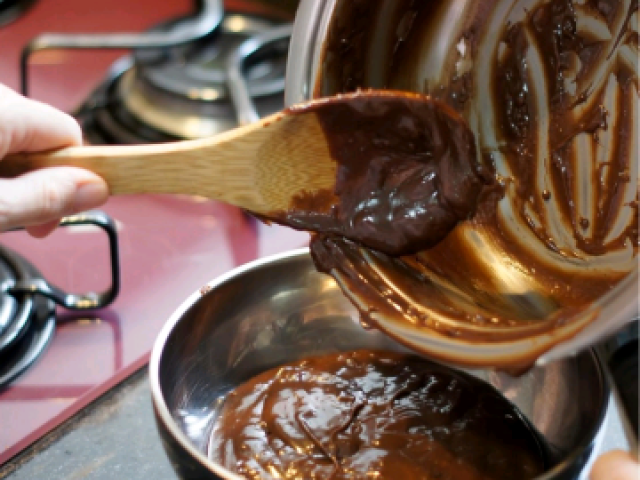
(27, 301)
(171, 84)
(181, 92)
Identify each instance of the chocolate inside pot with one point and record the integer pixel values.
(369, 415)
(550, 91)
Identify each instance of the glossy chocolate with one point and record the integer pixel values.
(372, 415)
(406, 172)
(570, 61)
(550, 91)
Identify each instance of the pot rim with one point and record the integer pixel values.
(162, 410)
(306, 49)
(594, 438)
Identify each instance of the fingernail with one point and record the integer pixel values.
(90, 195)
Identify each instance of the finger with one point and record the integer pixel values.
(41, 231)
(615, 465)
(30, 126)
(45, 195)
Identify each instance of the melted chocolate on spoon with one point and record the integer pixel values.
(407, 172)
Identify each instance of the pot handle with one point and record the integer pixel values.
(87, 301)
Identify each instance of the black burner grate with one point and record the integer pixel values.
(181, 92)
(11, 10)
(28, 301)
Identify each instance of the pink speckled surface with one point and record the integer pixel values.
(170, 246)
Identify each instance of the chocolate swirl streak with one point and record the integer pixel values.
(565, 126)
(550, 90)
(370, 415)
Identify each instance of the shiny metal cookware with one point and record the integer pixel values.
(457, 44)
(279, 309)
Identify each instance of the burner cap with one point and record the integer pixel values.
(27, 323)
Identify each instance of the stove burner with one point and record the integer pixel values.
(11, 10)
(181, 92)
(28, 301)
(27, 322)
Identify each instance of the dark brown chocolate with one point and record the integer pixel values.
(560, 98)
(369, 415)
(553, 26)
(407, 172)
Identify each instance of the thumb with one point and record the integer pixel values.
(615, 465)
(46, 195)
(30, 126)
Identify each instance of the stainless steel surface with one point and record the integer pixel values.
(280, 309)
(442, 52)
(309, 31)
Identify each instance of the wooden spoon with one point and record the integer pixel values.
(308, 167)
(259, 167)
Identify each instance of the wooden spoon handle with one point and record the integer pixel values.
(253, 167)
(162, 168)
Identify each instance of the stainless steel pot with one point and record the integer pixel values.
(442, 51)
(280, 309)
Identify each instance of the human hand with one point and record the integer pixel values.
(39, 199)
(615, 465)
